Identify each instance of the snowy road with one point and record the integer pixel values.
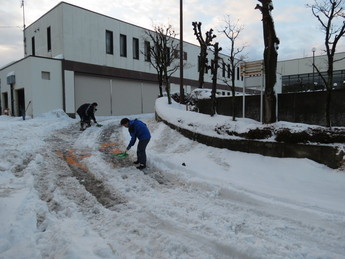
(94, 205)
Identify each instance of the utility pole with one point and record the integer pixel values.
(313, 50)
(24, 40)
(181, 53)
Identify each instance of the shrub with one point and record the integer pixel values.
(259, 133)
(286, 136)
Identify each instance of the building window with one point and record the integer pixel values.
(147, 51)
(33, 46)
(49, 40)
(123, 45)
(45, 75)
(168, 56)
(109, 44)
(185, 55)
(229, 71)
(213, 65)
(223, 70)
(177, 54)
(135, 48)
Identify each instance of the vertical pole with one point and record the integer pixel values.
(12, 99)
(111, 97)
(261, 92)
(313, 65)
(142, 97)
(24, 40)
(0, 99)
(23, 14)
(262, 96)
(244, 97)
(181, 53)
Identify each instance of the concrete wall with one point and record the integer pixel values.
(310, 108)
(328, 155)
(43, 94)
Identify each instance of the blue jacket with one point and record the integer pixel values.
(137, 129)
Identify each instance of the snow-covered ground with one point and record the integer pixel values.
(63, 194)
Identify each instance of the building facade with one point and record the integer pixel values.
(74, 56)
(299, 75)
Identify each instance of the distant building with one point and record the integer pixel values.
(74, 56)
(298, 75)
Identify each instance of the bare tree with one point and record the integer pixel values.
(204, 44)
(214, 70)
(162, 55)
(331, 15)
(232, 32)
(271, 42)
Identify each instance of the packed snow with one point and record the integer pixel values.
(64, 194)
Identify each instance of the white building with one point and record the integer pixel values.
(74, 56)
(300, 74)
(296, 75)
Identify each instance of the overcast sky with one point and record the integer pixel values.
(296, 27)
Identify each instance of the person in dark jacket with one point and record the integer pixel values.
(86, 113)
(138, 130)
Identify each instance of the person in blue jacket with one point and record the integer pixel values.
(138, 130)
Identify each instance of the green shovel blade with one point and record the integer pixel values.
(122, 155)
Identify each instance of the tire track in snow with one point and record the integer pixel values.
(62, 144)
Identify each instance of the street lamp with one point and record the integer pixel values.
(313, 50)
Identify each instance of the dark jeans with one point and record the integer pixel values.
(141, 151)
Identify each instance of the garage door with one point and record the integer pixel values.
(115, 96)
(93, 89)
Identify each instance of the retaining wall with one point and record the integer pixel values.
(323, 154)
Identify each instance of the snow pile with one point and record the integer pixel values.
(176, 114)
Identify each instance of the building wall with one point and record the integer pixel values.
(38, 31)
(46, 94)
(43, 92)
(305, 65)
